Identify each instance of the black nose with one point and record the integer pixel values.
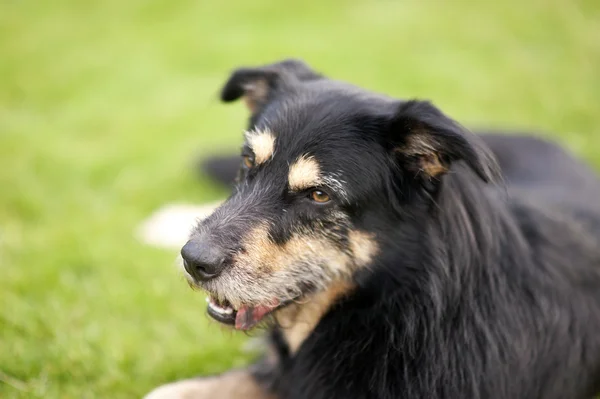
(202, 260)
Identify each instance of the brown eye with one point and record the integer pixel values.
(319, 196)
(248, 161)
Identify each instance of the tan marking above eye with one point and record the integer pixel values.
(304, 174)
(319, 196)
(262, 144)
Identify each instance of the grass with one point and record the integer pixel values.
(104, 106)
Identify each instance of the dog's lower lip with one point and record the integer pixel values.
(244, 318)
(223, 314)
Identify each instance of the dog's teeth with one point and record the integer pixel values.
(219, 309)
(207, 300)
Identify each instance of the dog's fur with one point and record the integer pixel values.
(424, 275)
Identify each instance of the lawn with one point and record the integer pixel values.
(104, 107)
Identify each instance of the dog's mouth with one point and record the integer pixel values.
(243, 318)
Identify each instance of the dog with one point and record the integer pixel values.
(391, 253)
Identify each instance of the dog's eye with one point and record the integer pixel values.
(319, 196)
(248, 161)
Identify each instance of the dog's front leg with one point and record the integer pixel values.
(230, 385)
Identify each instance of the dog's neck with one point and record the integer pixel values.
(297, 321)
(446, 244)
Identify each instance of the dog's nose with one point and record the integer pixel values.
(202, 260)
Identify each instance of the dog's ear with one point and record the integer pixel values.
(257, 84)
(426, 142)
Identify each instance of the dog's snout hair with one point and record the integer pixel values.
(249, 206)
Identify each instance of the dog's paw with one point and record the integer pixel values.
(201, 388)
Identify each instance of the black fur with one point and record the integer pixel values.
(481, 289)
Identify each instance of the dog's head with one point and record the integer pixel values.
(327, 171)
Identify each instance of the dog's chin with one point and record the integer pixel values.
(244, 317)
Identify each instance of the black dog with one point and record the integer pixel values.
(377, 241)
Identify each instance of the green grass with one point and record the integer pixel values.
(104, 105)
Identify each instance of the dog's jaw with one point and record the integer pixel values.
(243, 318)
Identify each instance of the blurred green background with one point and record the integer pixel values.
(104, 106)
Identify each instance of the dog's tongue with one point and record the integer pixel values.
(247, 317)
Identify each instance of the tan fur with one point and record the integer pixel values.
(262, 144)
(432, 165)
(363, 247)
(422, 146)
(299, 320)
(304, 173)
(231, 385)
(261, 251)
(419, 143)
(255, 94)
(266, 270)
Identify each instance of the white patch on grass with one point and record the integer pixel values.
(170, 225)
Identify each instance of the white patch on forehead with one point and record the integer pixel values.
(262, 144)
(304, 173)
